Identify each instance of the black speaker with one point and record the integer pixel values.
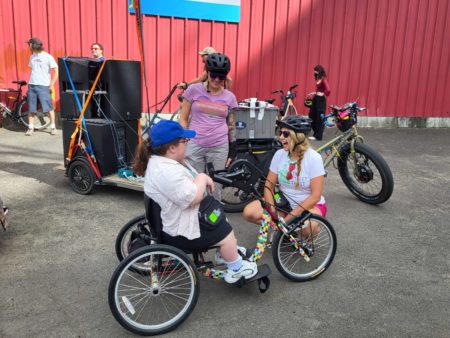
(121, 79)
(113, 142)
(82, 70)
(69, 108)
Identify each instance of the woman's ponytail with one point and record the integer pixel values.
(141, 157)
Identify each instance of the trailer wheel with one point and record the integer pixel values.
(81, 177)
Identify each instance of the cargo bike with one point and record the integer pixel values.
(100, 151)
(156, 287)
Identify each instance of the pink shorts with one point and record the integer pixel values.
(322, 208)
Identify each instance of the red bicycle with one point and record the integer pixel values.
(16, 107)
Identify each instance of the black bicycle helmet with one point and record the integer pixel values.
(299, 124)
(218, 63)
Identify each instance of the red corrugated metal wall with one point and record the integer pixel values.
(393, 55)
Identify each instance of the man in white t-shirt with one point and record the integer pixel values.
(44, 74)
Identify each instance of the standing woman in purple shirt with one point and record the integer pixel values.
(205, 109)
(319, 105)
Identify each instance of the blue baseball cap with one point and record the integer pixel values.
(166, 131)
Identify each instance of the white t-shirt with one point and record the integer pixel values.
(311, 167)
(171, 185)
(40, 65)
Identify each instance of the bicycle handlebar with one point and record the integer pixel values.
(336, 110)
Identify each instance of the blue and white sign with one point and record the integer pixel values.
(217, 10)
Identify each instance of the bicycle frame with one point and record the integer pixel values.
(263, 241)
(12, 112)
(287, 100)
(337, 143)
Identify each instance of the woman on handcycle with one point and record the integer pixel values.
(181, 192)
(300, 173)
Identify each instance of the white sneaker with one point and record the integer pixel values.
(247, 270)
(312, 138)
(220, 261)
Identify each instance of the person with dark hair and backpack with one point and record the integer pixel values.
(319, 102)
(191, 218)
(299, 171)
(205, 109)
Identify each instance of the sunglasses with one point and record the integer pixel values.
(184, 140)
(219, 76)
(285, 133)
(94, 48)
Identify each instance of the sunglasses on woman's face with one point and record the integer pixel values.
(219, 76)
(184, 140)
(285, 133)
(95, 48)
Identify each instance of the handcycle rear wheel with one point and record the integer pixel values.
(149, 306)
(365, 173)
(321, 249)
(124, 237)
(41, 119)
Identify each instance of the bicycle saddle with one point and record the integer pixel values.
(269, 100)
(21, 82)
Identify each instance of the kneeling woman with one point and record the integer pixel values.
(180, 191)
(299, 171)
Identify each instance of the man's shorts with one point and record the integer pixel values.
(42, 93)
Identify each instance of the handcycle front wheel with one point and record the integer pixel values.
(41, 119)
(158, 299)
(365, 173)
(320, 245)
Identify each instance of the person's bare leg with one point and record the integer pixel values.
(253, 212)
(30, 124)
(311, 227)
(31, 120)
(228, 248)
(51, 113)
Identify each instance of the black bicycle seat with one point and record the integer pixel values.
(270, 100)
(21, 82)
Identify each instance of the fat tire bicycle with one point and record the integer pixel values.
(17, 112)
(156, 287)
(362, 169)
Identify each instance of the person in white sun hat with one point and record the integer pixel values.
(202, 78)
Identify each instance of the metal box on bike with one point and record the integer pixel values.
(255, 119)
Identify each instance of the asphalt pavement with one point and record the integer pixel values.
(390, 276)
